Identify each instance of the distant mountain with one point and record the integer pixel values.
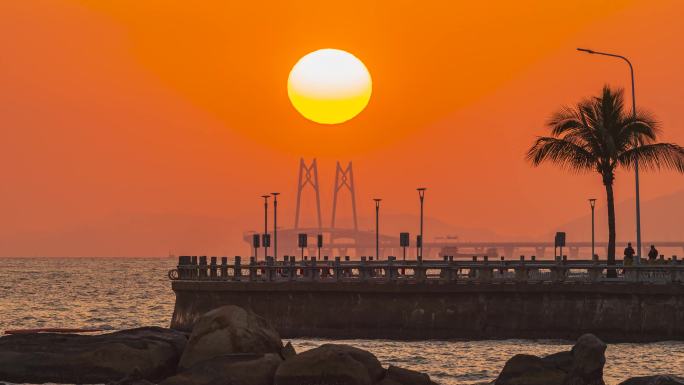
(662, 219)
(146, 234)
(149, 234)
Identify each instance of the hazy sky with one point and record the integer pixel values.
(138, 127)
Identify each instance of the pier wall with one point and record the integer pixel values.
(624, 312)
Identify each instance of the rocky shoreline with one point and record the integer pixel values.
(233, 346)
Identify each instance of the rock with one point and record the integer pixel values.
(588, 359)
(245, 369)
(134, 378)
(388, 381)
(288, 351)
(150, 353)
(128, 381)
(560, 360)
(229, 330)
(525, 369)
(330, 364)
(406, 376)
(654, 380)
(583, 365)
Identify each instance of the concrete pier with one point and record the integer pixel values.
(443, 299)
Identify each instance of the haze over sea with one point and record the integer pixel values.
(119, 293)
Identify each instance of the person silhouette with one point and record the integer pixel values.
(629, 253)
(653, 253)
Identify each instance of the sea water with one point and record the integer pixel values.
(120, 293)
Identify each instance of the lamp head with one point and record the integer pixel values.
(592, 202)
(265, 196)
(585, 50)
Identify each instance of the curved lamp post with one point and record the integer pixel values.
(636, 162)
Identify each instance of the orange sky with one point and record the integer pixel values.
(138, 127)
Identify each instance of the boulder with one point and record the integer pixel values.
(149, 353)
(583, 365)
(330, 364)
(130, 381)
(134, 378)
(525, 369)
(406, 376)
(288, 351)
(588, 359)
(229, 330)
(560, 360)
(654, 380)
(389, 381)
(245, 369)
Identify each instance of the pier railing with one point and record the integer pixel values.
(446, 270)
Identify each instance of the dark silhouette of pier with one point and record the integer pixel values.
(445, 298)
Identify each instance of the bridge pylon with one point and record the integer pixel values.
(308, 175)
(344, 178)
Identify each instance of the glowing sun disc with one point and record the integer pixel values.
(329, 86)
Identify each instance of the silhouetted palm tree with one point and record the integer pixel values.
(598, 135)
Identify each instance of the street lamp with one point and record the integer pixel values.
(377, 227)
(592, 203)
(636, 162)
(275, 224)
(265, 241)
(421, 195)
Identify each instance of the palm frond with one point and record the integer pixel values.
(654, 157)
(564, 121)
(643, 128)
(588, 136)
(611, 105)
(565, 153)
(599, 134)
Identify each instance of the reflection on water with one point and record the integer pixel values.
(111, 293)
(118, 293)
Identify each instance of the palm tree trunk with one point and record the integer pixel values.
(611, 273)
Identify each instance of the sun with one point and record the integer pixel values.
(329, 86)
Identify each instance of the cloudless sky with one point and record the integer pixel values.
(136, 127)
